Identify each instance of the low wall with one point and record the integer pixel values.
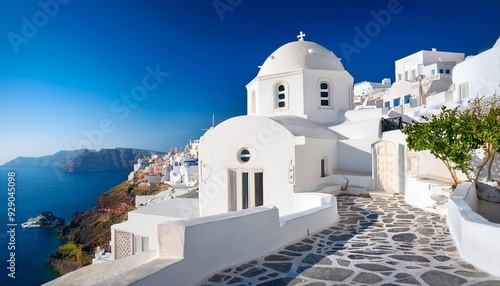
(419, 191)
(115, 272)
(307, 201)
(475, 237)
(192, 249)
(175, 209)
(297, 225)
(355, 180)
(205, 245)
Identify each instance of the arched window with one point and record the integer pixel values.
(281, 94)
(324, 95)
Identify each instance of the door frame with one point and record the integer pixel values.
(235, 188)
(398, 166)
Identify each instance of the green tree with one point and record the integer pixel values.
(447, 136)
(483, 118)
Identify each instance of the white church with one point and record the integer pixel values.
(269, 178)
(292, 140)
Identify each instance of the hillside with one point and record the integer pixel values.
(107, 159)
(86, 160)
(58, 160)
(90, 229)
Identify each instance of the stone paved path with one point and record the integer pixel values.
(378, 241)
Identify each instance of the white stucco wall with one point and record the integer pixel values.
(266, 140)
(254, 233)
(437, 100)
(475, 237)
(367, 88)
(265, 87)
(480, 72)
(360, 123)
(313, 212)
(123, 271)
(144, 222)
(355, 156)
(356, 179)
(308, 163)
(399, 90)
(417, 61)
(301, 66)
(185, 259)
(303, 94)
(419, 191)
(478, 157)
(340, 83)
(429, 165)
(360, 129)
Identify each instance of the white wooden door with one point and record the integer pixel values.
(385, 154)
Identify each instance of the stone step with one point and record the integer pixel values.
(355, 191)
(381, 193)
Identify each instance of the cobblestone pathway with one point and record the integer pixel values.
(378, 241)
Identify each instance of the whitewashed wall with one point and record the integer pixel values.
(341, 85)
(264, 88)
(266, 140)
(475, 237)
(254, 233)
(480, 72)
(185, 259)
(144, 222)
(308, 163)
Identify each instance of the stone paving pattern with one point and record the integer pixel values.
(378, 241)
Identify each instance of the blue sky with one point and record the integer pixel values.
(150, 74)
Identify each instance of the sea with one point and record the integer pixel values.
(40, 189)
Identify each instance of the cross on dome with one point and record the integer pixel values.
(301, 36)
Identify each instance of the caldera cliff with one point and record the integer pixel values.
(90, 229)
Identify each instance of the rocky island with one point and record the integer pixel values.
(44, 219)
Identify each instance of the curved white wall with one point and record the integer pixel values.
(475, 237)
(480, 73)
(254, 233)
(218, 152)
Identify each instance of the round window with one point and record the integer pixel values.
(244, 155)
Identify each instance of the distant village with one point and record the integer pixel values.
(174, 168)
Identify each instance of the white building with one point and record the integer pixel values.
(427, 73)
(191, 148)
(131, 176)
(478, 75)
(284, 147)
(370, 94)
(139, 165)
(427, 63)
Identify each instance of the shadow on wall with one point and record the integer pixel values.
(353, 159)
(477, 158)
